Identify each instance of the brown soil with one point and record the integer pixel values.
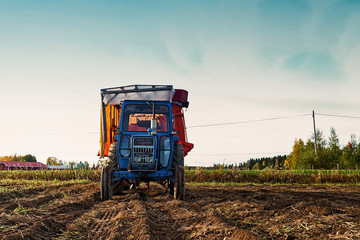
(209, 212)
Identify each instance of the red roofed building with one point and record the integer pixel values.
(14, 165)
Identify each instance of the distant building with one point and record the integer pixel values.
(80, 165)
(14, 165)
(191, 167)
(58, 167)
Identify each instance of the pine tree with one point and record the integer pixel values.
(334, 147)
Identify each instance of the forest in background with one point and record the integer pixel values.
(18, 158)
(330, 155)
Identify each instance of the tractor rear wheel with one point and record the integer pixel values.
(106, 188)
(178, 164)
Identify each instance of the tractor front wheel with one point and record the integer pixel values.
(121, 185)
(178, 188)
(179, 184)
(106, 188)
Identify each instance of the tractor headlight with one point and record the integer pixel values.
(148, 159)
(165, 149)
(137, 159)
(125, 146)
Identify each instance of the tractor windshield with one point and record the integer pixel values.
(137, 118)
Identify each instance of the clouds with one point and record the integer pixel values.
(315, 65)
(306, 36)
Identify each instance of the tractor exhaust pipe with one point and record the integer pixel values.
(153, 124)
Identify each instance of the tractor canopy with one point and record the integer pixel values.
(115, 96)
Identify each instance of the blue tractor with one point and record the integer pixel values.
(143, 136)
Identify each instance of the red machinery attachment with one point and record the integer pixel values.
(178, 102)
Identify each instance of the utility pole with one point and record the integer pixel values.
(313, 114)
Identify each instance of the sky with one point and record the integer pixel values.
(239, 60)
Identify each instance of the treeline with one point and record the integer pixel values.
(330, 155)
(276, 163)
(18, 158)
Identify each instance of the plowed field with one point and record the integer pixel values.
(73, 210)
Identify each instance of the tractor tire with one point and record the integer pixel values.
(113, 159)
(106, 188)
(178, 164)
(121, 185)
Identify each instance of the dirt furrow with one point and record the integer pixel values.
(53, 218)
(30, 203)
(123, 217)
(13, 194)
(105, 225)
(202, 222)
(171, 219)
(139, 220)
(161, 224)
(28, 197)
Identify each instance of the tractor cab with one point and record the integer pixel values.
(145, 136)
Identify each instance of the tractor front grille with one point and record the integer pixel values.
(143, 150)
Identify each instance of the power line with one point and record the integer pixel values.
(235, 154)
(68, 133)
(215, 124)
(248, 121)
(333, 115)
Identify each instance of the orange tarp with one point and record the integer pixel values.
(112, 117)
